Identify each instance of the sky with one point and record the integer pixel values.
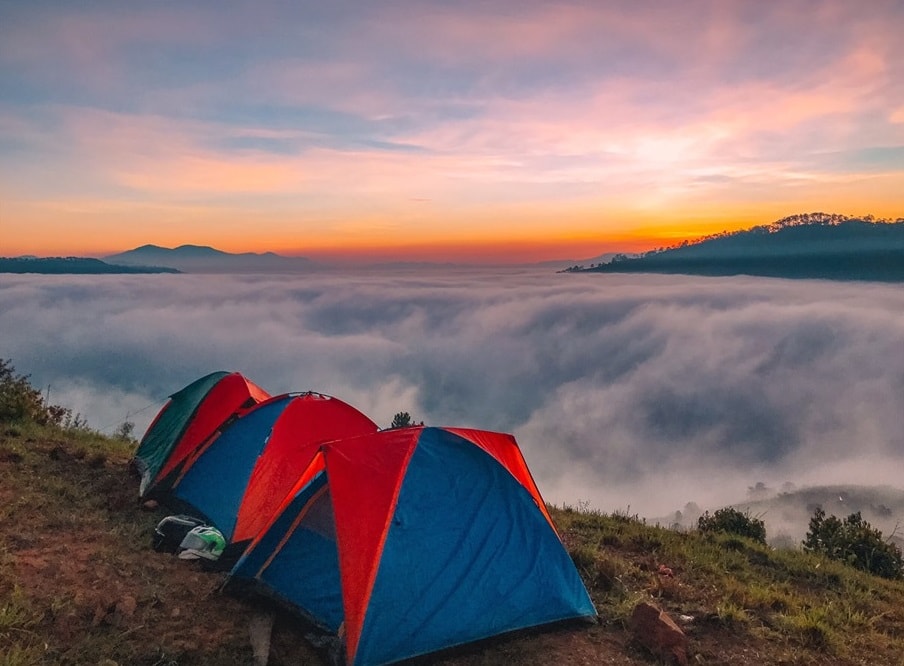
(626, 392)
(449, 131)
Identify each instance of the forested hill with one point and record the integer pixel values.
(815, 245)
(71, 265)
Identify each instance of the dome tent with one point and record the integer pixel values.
(190, 416)
(407, 541)
(237, 478)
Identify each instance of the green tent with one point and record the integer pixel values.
(188, 420)
(169, 425)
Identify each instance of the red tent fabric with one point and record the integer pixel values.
(307, 422)
(239, 477)
(230, 396)
(411, 540)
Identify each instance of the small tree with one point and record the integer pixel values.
(732, 521)
(125, 431)
(401, 420)
(854, 541)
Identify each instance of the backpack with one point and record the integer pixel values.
(170, 532)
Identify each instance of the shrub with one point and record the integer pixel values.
(732, 521)
(125, 432)
(18, 400)
(21, 402)
(854, 541)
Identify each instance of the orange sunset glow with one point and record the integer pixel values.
(501, 132)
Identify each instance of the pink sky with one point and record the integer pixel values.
(479, 131)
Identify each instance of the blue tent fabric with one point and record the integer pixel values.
(467, 556)
(217, 482)
(305, 571)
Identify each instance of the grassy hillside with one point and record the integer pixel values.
(80, 584)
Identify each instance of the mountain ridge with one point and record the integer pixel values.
(809, 245)
(206, 259)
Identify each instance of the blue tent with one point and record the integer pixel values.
(408, 541)
(239, 477)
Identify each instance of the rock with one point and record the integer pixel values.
(150, 505)
(657, 632)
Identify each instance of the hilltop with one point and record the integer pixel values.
(205, 259)
(811, 245)
(79, 583)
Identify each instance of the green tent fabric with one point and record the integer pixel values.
(169, 425)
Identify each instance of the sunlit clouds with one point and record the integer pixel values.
(406, 128)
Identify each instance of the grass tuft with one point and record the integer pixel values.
(813, 628)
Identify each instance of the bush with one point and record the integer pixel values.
(125, 432)
(18, 400)
(854, 541)
(21, 402)
(732, 521)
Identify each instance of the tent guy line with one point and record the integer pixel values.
(107, 429)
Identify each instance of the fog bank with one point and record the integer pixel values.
(632, 392)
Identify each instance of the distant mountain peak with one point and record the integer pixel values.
(198, 251)
(191, 258)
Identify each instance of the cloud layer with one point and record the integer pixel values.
(625, 391)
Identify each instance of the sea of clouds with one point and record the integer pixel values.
(635, 393)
